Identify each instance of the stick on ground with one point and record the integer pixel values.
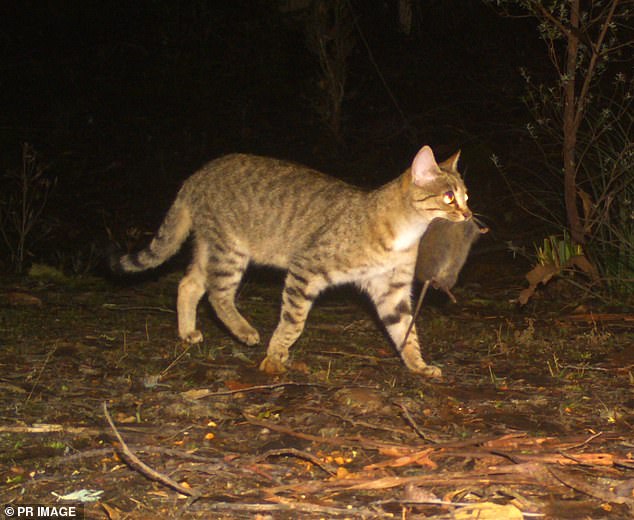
(142, 466)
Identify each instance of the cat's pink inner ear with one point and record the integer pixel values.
(424, 167)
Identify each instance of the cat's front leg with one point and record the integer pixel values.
(300, 290)
(410, 353)
(392, 300)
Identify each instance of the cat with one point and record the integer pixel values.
(245, 208)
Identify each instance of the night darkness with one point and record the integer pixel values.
(510, 398)
(122, 102)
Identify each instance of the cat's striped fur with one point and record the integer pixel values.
(244, 208)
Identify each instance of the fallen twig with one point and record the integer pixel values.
(39, 374)
(357, 422)
(204, 392)
(373, 483)
(356, 440)
(288, 505)
(50, 428)
(583, 368)
(592, 317)
(413, 423)
(301, 455)
(117, 307)
(363, 442)
(594, 490)
(141, 466)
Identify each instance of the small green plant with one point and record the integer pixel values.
(557, 250)
(526, 336)
(330, 36)
(583, 128)
(608, 188)
(56, 445)
(80, 261)
(23, 197)
(557, 255)
(555, 368)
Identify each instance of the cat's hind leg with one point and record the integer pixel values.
(300, 290)
(190, 290)
(225, 270)
(392, 297)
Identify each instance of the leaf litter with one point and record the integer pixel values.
(534, 418)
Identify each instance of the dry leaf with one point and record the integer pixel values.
(379, 483)
(488, 511)
(193, 395)
(413, 493)
(237, 385)
(300, 366)
(125, 419)
(342, 472)
(394, 451)
(588, 210)
(583, 264)
(112, 512)
(542, 273)
(20, 299)
(538, 274)
(420, 457)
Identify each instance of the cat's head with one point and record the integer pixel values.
(437, 190)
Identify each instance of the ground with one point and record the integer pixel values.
(534, 415)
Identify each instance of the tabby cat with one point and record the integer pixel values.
(244, 208)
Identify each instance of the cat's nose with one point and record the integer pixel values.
(467, 214)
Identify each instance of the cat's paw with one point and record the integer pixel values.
(429, 371)
(195, 336)
(272, 366)
(250, 337)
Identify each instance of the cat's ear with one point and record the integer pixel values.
(451, 164)
(424, 167)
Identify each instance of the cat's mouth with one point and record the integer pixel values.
(456, 214)
(460, 215)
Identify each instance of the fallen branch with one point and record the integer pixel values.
(357, 422)
(126, 308)
(594, 490)
(288, 505)
(50, 428)
(205, 392)
(413, 423)
(592, 317)
(301, 455)
(141, 466)
(363, 442)
(356, 440)
(372, 483)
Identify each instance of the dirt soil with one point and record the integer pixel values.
(534, 417)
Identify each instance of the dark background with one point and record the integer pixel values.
(122, 101)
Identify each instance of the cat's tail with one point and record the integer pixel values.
(167, 241)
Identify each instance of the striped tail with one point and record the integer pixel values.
(168, 240)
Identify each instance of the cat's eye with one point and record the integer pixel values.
(448, 197)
